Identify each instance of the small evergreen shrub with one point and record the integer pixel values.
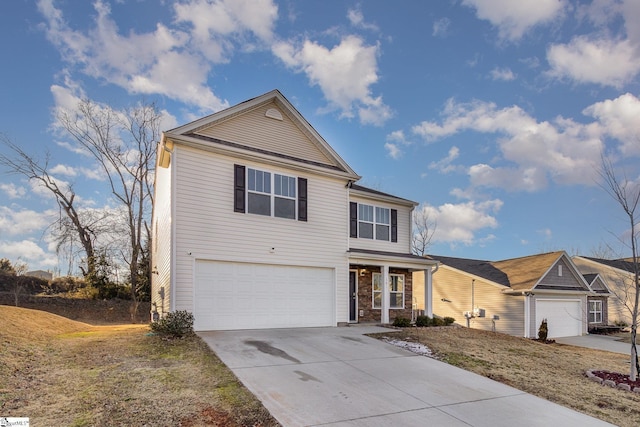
(437, 321)
(422, 321)
(176, 324)
(402, 322)
(543, 331)
(448, 321)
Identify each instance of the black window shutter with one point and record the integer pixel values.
(353, 219)
(302, 199)
(394, 225)
(239, 189)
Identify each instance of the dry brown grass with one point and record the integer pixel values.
(60, 372)
(552, 371)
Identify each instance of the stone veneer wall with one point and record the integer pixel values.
(365, 299)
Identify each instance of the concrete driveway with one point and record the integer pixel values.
(339, 377)
(597, 342)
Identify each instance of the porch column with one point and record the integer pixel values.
(385, 294)
(428, 292)
(527, 315)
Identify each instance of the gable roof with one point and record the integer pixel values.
(596, 283)
(621, 264)
(516, 274)
(262, 128)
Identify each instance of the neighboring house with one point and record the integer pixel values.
(513, 296)
(40, 274)
(619, 277)
(258, 223)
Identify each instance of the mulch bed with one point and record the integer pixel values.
(615, 379)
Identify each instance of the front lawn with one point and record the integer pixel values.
(552, 371)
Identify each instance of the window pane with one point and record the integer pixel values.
(267, 182)
(365, 213)
(377, 300)
(292, 187)
(396, 300)
(365, 230)
(377, 282)
(382, 232)
(252, 179)
(277, 184)
(382, 215)
(259, 204)
(285, 208)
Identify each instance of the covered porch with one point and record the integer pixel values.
(381, 285)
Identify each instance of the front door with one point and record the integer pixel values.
(353, 297)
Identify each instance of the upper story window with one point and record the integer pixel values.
(270, 194)
(374, 222)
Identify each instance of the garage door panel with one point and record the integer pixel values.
(253, 296)
(564, 317)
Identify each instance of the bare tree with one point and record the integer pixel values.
(21, 163)
(626, 194)
(123, 145)
(423, 229)
(20, 269)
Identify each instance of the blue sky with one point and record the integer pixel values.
(492, 114)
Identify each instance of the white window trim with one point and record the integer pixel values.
(396, 292)
(375, 222)
(596, 311)
(272, 195)
(374, 292)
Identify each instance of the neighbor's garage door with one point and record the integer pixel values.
(232, 295)
(564, 317)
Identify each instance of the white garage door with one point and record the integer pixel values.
(232, 295)
(564, 317)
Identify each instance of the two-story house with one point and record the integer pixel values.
(259, 223)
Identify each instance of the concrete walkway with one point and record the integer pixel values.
(339, 377)
(597, 342)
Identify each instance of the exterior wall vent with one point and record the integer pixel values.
(273, 114)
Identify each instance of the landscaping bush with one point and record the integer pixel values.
(176, 324)
(402, 322)
(422, 321)
(449, 321)
(437, 321)
(543, 331)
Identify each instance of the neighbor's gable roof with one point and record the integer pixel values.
(268, 128)
(359, 190)
(519, 274)
(620, 264)
(596, 283)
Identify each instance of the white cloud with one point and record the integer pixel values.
(619, 119)
(504, 74)
(13, 191)
(27, 251)
(441, 27)
(460, 223)
(605, 62)
(164, 61)
(60, 169)
(514, 18)
(344, 74)
(14, 222)
(393, 150)
(356, 18)
(444, 165)
(533, 152)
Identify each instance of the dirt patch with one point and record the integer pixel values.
(76, 374)
(554, 372)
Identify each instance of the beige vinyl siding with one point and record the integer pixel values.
(620, 284)
(454, 286)
(207, 227)
(161, 241)
(254, 129)
(567, 280)
(403, 245)
(534, 324)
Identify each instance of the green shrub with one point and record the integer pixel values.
(423, 321)
(449, 320)
(175, 324)
(437, 321)
(402, 322)
(543, 330)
